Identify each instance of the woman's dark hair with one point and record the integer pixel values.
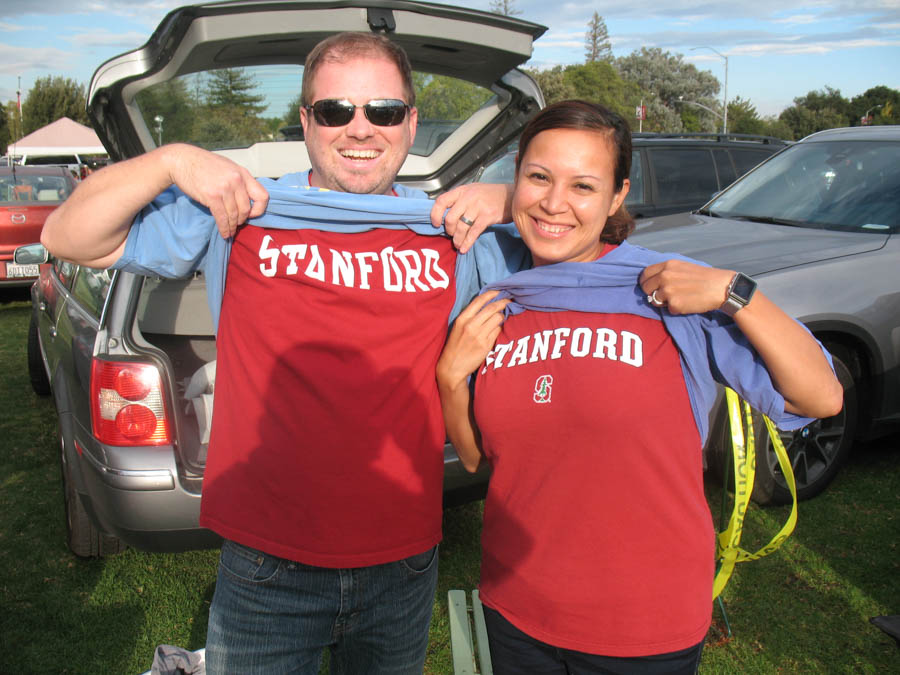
(585, 116)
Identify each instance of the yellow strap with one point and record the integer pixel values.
(728, 551)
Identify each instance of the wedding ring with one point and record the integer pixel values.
(653, 300)
(467, 221)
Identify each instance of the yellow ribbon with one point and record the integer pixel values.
(728, 550)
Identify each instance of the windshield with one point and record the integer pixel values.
(843, 185)
(15, 189)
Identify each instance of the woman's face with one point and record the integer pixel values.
(564, 194)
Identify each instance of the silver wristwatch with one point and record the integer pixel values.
(740, 291)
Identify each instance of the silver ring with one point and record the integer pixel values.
(653, 300)
(468, 222)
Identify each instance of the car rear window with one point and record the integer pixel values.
(746, 159)
(238, 107)
(684, 175)
(17, 189)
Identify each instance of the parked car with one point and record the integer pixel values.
(671, 173)
(27, 196)
(123, 354)
(817, 226)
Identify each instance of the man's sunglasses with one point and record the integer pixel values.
(382, 112)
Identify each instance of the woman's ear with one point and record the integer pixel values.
(619, 198)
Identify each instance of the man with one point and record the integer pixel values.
(325, 464)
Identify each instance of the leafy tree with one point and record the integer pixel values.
(743, 118)
(13, 121)
(175, 103)
(599, 82)
(881, 103)
(439, 97)
(504, 7)
(803, 121)
(51, 98)
(668, 76)
(596, 41)
(233, 87)
(228, 126)
(553, 84)
(4, 130)
(292, 114)
(772, 126)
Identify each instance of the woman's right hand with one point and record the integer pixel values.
(473, 336)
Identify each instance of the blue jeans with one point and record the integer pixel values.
(271, 615)
(516, 653)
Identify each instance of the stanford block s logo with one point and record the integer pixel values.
(543, 389)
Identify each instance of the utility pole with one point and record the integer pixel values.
(725, 96)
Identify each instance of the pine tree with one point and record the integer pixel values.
(504, 7)
(596, 41)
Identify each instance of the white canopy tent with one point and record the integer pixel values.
(64, 136)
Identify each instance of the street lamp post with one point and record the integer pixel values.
(725, 89)
(866, 116)
(159, 120)
(700, 105)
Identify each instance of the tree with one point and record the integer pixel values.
(439, 97)
(233, 87)
(743, 118)
(176, 104)
(881, 103)
(669, 86)
(4, 130)
(51, 98)
(504, 7)
(596, 41)
(553, 84)
(804, 121)
(599, 82)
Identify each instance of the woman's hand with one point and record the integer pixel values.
(466, 211)
(684, 287)
(473, 335)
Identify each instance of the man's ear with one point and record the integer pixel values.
(304, 119)
(413, 123)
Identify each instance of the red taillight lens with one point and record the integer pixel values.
(127, 406)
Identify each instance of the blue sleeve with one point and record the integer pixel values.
(736, 364)
(496, 254)
(169, 237)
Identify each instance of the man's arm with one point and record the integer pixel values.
(91, 226)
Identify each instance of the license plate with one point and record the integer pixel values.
(14, 271)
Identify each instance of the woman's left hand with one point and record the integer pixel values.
(684, 287)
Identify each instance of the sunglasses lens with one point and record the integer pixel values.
(333, 113)
(385, 113)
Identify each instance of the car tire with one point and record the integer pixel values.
(83, 539)
(36, 371)
(817, 451)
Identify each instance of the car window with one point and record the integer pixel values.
(684, 175)
(237, 107)
(90, 288)
(65, 271)
(50, 159)
(849, 185)
(636, 193)
(19, 188)
(745, 158)
(727, 174)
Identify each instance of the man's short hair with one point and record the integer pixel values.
(349, 45)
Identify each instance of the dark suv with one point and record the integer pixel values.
(671, 173)
(127, 358)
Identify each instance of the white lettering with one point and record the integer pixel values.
(520, 355)
(365, 268)
(270, 254)
(632, 349)
(293, 251)
(316, 267)
(413, 265)
(560, 334)
(541, 346)
(341, 267)
(432, 258)
(392, 282)
(501, 352)
(606, 342)
(581, 342)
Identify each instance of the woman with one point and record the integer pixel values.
(591, 401)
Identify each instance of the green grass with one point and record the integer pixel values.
(804, 609)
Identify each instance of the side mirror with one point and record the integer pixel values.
(30, 254)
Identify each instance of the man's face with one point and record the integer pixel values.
(359, 157)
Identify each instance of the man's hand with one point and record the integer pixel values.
(466, 211)
(227, 189)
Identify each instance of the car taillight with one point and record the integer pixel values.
(127, 406)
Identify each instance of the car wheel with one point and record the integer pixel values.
(36, 371)
(816, 451)
(83, 539)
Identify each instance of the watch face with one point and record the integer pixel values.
(743, 287)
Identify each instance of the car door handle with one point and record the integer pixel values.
(42, 306)
(53, 331)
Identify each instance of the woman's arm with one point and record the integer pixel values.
(795, 361)
(473, 335)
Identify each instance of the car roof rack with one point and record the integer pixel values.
(712, 137)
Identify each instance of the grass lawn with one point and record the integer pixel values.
(805, 609)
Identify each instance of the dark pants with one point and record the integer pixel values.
(515, 653)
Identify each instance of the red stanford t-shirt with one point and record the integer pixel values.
(597, 536)
(327, 438)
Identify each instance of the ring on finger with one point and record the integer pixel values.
(653, 300)
(467, 221)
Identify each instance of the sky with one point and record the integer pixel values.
(776, 50)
